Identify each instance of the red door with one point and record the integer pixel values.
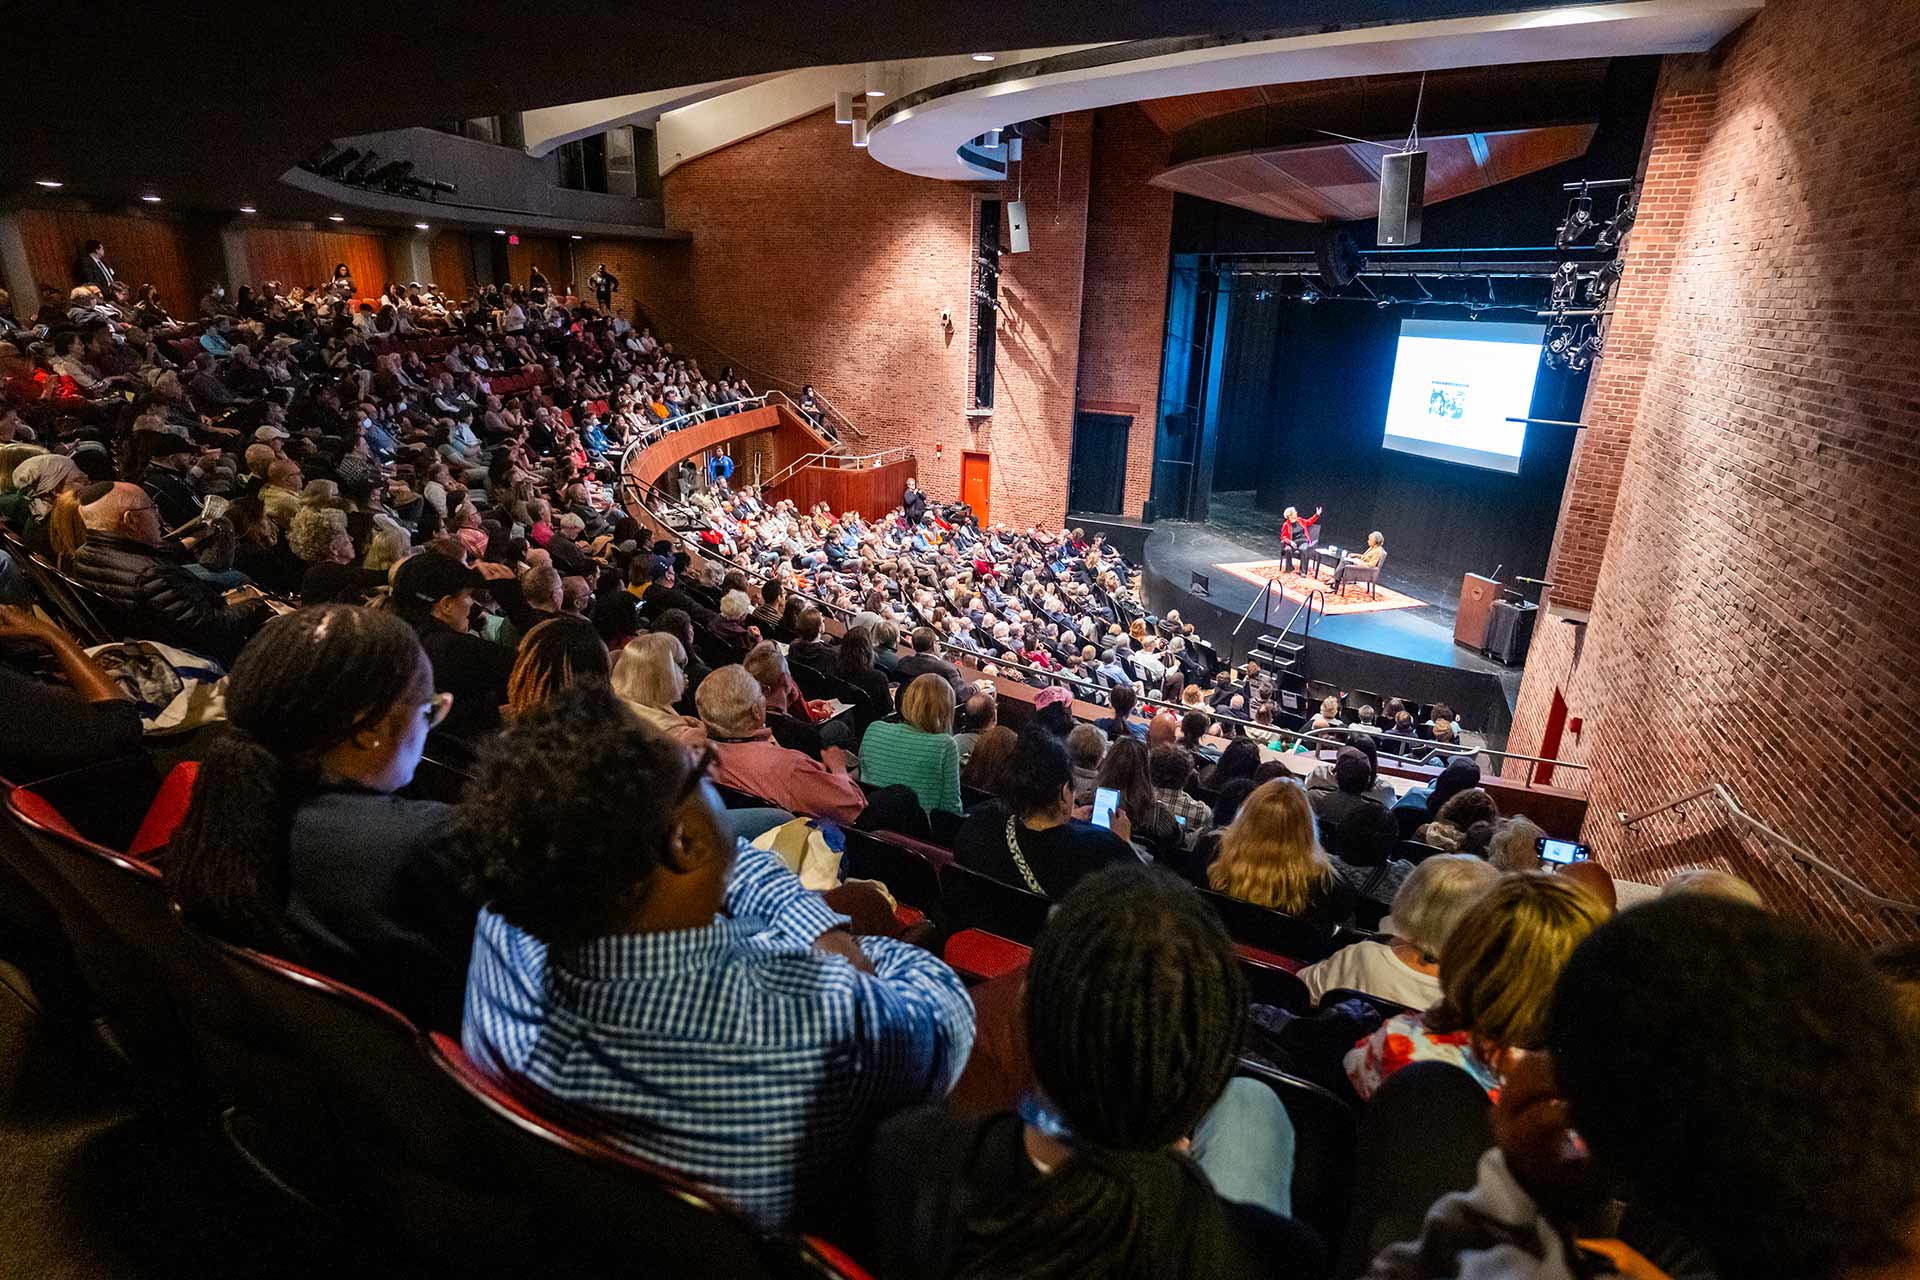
(976, 471)
(1550, 739)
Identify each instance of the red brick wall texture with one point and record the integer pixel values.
(812, 262)
(1752, 618)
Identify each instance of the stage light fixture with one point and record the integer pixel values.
(389, 173)
(1566, 286)
(1601, 284)
(1578, 222)
(337, 163)
(1309, 295)
(1624, 212)
(49, 183)
(365, 165)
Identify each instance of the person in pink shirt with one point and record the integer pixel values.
(734, 709)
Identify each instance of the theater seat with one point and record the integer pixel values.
(977, 955)
(1324, 1139)
(973, 901)
(1283, 935)
(167, 811)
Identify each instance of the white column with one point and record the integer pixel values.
(233, 257)
(410, 257)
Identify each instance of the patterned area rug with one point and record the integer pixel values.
(1296, 586)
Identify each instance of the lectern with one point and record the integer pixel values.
(1477, 597)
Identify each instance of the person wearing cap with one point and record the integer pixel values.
(434, 594)
(273, 437)
(169, 479)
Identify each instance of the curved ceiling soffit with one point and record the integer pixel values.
(923, 133)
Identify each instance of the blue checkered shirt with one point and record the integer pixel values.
(736, 1054)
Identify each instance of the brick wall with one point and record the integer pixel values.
(1670, 165)
(812, 262)
(1124, 320)
(1752, 618)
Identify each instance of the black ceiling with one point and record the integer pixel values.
(206, 104)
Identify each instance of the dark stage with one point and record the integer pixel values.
(1400, 652)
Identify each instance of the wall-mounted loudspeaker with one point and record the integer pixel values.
(1403, 193)
(1017, 226)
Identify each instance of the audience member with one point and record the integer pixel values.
(1457, 817)
(1497, 970)
(1272, 858)
(918, 750)
(985, 769)
(1406, 968)
(648, 677)
(1033, 838)
(558, 654)
(1085, 746)
(1127, 767)
(295, 843)
(1713, 882)
(1140, 1155)
(734, 710)
(749, 1050)
(1516, 844)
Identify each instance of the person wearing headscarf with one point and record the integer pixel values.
(36, 483)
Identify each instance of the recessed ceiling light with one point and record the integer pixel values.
(50, 184)
(151, 199)
(336, 217)
(576, 237)
(247, 208)
(983, 57)
(421, 226)
(876, 93)
(499, 231)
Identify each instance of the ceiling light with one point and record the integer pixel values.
(576, 237)
(876, 93)
(49, 183)
(983, 57)
(151, 199)
(247, 208)
(421, 226)
(336, 217)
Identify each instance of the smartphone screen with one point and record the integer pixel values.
(1105, 801)
(1561, 852)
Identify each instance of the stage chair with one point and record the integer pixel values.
(1354, 574)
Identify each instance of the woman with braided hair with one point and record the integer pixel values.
(295, 842)
(1138, 1154)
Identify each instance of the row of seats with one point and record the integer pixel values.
(335, 1096)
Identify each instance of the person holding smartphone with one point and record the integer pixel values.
(1034, 837)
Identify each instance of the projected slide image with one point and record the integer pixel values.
(1455, 384)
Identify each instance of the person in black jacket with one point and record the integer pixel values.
(913, 503)
(168, 480)
(1140, 1154)
(434, 594)
(125, 560)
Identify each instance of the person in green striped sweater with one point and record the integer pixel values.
(918, 750)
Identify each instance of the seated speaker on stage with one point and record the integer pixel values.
(1371, 558)
(1295, 538)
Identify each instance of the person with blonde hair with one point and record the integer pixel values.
(1497, 972)
(1271, 857)
(917, 751)
(649, 676)
(1405, 969)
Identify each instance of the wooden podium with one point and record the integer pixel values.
(1477, 598)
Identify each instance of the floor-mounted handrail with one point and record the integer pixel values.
(1795, 850)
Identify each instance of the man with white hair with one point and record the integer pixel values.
(1406, 969)
(126, 562)
(733, 707)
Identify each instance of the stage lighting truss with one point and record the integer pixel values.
(1579, 221)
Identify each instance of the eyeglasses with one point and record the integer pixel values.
(436, 709)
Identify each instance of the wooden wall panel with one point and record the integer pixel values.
(452, 258)
(549, 253)
(872, 492)
(140, 251)
(306, 258)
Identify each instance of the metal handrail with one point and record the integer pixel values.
(658, 432)
(1795, 850)
(1296, 735)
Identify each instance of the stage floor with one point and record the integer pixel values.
(1237, 532)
